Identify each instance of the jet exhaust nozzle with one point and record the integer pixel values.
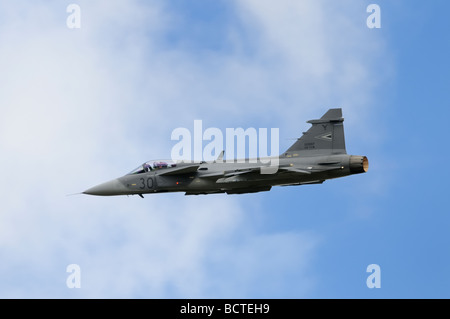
(358, 164)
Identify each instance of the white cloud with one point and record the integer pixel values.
(321, 52)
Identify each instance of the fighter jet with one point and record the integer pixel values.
(318, 155)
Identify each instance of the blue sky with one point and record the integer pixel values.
(81, 106)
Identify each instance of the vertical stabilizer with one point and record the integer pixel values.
(325, 137)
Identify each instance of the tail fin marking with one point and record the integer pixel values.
(325, 137)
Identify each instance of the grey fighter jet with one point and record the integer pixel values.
(315, 157)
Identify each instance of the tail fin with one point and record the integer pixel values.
(325, 137)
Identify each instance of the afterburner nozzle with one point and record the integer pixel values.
(358, 164)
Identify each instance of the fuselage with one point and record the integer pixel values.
(319, 154)
(240, 176)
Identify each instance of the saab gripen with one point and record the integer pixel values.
(318, 155)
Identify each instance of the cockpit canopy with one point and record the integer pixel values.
(153, 165)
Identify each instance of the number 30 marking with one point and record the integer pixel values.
(149, 183)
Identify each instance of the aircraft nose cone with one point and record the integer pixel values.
(114, 187)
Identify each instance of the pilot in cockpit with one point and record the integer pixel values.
(146, 167)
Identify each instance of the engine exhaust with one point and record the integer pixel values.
(358, 164)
